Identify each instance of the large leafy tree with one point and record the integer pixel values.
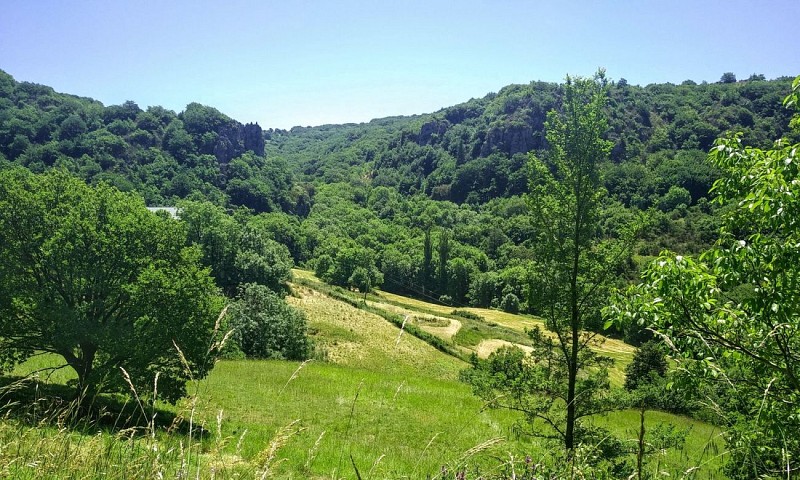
(89, 274)
(734, 313)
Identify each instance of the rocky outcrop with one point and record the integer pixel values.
(509, 139)
(235, 139)
(253, 138)
(429, 129)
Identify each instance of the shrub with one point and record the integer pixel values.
(265, 326)
(510, 303)
(467, 314)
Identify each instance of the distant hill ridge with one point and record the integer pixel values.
(470, 152)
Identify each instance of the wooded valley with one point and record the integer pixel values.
(554, 254)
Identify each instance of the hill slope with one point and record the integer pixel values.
(475, 151)
(392, 405)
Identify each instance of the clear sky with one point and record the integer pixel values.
(302, 62)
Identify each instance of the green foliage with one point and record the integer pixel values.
(510, 303)
(397, 176)
(88, 273)
(262, 260)
(348, 261)
(575, 266)
(482, 290)
(536, 385)
(264, 326)
(40, 129)
(467, 314)
(648, 361)
(236, 253)
(360, 279)
(675, 197)
(734, 309)
(322, 266)
(475, 152)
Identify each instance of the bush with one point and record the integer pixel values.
(649, 360)
(467, 314)
(510, 303)
(265, 326)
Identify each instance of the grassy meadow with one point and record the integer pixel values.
(375, 402)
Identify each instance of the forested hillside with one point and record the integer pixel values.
(429, 205)
(477, 150)
(163, 155)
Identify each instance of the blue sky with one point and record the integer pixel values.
(301, 62)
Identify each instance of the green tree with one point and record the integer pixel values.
(575, 265)
(341, 268)
(361, 280)
(728, 77)
(261, 260)
(673, 198)
(564, 200)
(323, 266)
(217, 234)
(236, 254)
(89, 274)
(648, 360)
(459, 273)
(510, 303)
(427, 269)
(737, 306)
(482, 289)
(265, 326)
(444, 256)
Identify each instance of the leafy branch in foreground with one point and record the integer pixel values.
(733, 314)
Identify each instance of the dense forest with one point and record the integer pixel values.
(429, 205)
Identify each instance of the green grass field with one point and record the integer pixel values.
(377, 400)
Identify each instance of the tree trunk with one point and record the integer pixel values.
(572, 361)
(640, 451)
(83, 366)
(569, 434)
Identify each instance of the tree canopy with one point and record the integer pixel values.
(89, 274)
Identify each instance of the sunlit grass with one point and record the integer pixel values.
(704, 446)
(498, 329)
(389, 400)
(366, 413)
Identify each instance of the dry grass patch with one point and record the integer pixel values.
(487, 347)
(360, 339)
(620, 351)
(446, 332)
(442, 327)
(413, 303)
